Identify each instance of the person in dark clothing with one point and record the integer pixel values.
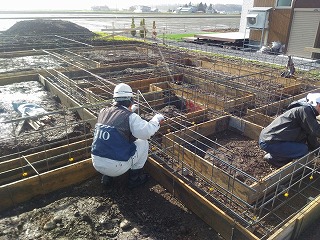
(292, 134)
(290, 66)
(290, 69)
(120, 142)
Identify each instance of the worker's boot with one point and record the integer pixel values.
(106, 180)
(137, 178)
(276, 162)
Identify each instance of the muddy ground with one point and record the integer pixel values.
(91, 211)
(56, 126)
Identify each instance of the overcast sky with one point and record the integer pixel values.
(87, 4)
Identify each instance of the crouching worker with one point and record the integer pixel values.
(120, 140)
(292, 134)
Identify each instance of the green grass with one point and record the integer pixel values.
(109, 37)
(179, 36)
(314, 74)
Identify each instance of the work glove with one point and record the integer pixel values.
(159, 118)
(134, 107)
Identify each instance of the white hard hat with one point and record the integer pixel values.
(313, 98)
(123, 90)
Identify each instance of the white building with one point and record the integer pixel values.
(141, 9)
(247, 4)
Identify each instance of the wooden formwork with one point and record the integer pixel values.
(287, 86)
(210, 94)
(167, 55)
(143, 85)
(140, 82)
(76, 73)
(20, 54)
(187, 120)
(264, 115)
(24, 166)
(123, 54)
(53, 54)
(18, 77)
(46, 182)
(218, 219)
(101, 92)
(175, 144)
(74, 58)
(35, 185)
(237, 68)
(68, 101)
(74, 173)
(97, 94)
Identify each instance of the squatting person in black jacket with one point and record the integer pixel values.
(292, 134)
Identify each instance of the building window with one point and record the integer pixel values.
(284, 3)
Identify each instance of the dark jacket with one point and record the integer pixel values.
(112, 137)
(118, 117)
(297, 124)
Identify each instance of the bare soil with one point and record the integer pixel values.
(242, 152)
(46, 26)
(91, 211)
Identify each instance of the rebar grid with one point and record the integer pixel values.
(61, 128)
(266, 87)
(254, 216)
(42, 41)
(261, 217)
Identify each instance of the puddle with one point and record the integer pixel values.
(29, 92)
(28, 63)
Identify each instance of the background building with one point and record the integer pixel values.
(294, 23)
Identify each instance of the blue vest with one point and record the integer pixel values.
(110, 135)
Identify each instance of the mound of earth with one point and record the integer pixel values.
(46, 26)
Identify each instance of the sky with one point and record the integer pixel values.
(87, 4)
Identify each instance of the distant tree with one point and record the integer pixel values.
(228, 7)
(143, 31)
(201, 7)
(210, 9)
(133, 26)
(154, 31)
(190, 4)
(186, 5)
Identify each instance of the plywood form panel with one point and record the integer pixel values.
(206, 210)
(47, 182)
(279, 22)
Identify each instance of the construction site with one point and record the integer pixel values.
(206, 154)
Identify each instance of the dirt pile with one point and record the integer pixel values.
(47, 27)
(44, 34)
